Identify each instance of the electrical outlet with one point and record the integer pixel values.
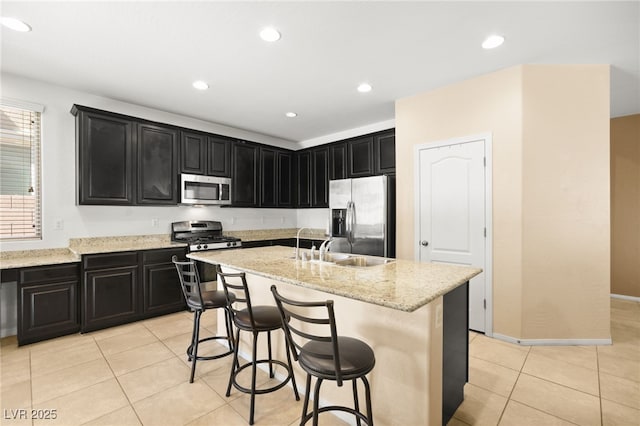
(58, 225)
(155, 222)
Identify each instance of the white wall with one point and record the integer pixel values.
(58, 174)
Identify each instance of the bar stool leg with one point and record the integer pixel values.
(253, 376)
(293, 376)
(367, 391)
(194, 344)
(193, 336)
(355, 399)
(270, 357)
(305, 406)
(316, 401)
(235, 363)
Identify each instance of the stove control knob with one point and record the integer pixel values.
(205, 246)
(234, 243)
(198, 247)
(229, 244)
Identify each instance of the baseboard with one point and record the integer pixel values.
(625, 297)
(552, 342)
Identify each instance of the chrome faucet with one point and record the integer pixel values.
(324, 248)
(297, 254)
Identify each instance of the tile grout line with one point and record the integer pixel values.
(599, 390)
(514, 385)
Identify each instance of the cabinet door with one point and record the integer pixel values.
(338, 161)
(320, 175)
(110, 297)
(268, 175)
(303, 172)
(385, 153)
(105, 159)
(162, 292)
(157, 164)
(245, 175)
(285, 178)
(360, 157)
(219, 157)
(193, 153)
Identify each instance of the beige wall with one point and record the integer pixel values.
(625, 205)
(549, 127)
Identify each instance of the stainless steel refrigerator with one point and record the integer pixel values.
(362, 215)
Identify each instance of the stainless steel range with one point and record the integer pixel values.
(202, 235)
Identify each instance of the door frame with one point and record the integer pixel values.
(488, 211)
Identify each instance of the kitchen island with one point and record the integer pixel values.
(408, 312)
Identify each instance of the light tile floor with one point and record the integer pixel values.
(138, 374)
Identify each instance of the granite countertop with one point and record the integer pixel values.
(277, 234)
(403, 284)
(126, 243)
(25, 258)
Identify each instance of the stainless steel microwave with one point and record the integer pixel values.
(197, 189)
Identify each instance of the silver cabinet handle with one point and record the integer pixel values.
(424, 243)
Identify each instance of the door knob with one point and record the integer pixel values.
(424, 243)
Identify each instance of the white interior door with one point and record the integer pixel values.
(451, 218)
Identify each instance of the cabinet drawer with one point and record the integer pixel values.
(108, 260)
(162, 256)
(49, 273)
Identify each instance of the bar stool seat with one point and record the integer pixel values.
(199, 300)
(356, 358)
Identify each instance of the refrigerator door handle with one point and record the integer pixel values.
(350, 220)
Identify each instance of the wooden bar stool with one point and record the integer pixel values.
(325, 355)
(198, 301)
(256, 320)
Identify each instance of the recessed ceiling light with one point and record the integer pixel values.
(364, 88)
(15, 24)
(492, 41)
(200, 85)
(291, 114)
(270, 34)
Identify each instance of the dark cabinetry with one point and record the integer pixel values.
(285, 178)
(337, 161)
(204, 154)
(124, 161)
(162, 293)
(126, 286)
(47, 302)
(360, 157)
(320, 177)
(303, 173)
(111, 290)
(245, 174)
(157, 164)
(384, 153)
(268, 177)
(106, 158)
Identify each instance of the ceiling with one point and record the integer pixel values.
(149, 53)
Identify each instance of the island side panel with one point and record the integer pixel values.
(406, 383)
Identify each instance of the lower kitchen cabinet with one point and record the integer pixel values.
(161, 294)
(127, 286)
(110, 290)
(47, 302)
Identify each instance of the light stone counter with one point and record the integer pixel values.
(95, 245)
(403, 285)
(27, 258)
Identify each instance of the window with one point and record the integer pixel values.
(20, 194)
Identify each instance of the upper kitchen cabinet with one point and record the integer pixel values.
(337, 161)
(105, 149)
(360, 157)
(245, 174)
(157, 164)
(320, 177)
(384, 155)
(205, 154)
(124, 161)
(218, 156)
(268, 177)
(303, 173)
(193, 153)
(285, 181)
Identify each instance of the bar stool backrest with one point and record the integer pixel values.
(190, 283)
(236, 284)
(315, 322)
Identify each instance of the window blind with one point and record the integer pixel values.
(20, 194)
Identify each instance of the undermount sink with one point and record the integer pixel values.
(362, 261)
